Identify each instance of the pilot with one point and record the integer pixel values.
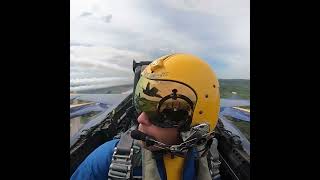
(177, 98)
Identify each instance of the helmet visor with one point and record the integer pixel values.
(167, 103)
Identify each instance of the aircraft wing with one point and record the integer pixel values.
(85, 109)
(234, 102)
(103, 102)
(229, 107)
(235, 113)
(74, 107)
(231, 127)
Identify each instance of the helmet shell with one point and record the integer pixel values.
(195, 73)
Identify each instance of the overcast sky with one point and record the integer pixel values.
(105, 35)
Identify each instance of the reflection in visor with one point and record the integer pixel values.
(167, 103)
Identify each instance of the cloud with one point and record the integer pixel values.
(104, 57)
(79, 44)
(84, 14)
(235, 67)
(107, 18)
(106, 80)
(225, 8)
(217, 31)
(84, 83)
(101, 66)
(96, 86)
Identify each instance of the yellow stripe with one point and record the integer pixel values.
(78, 105)
(174, 167)
(242, 109)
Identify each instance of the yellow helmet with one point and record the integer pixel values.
(178, 86)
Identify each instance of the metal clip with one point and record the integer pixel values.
(121, 166)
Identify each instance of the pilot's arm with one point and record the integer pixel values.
(96, 165)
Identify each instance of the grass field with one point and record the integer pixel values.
(240, 86)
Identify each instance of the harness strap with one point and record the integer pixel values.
(121, 164)
(123, 161)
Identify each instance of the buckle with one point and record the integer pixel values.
(121, 165)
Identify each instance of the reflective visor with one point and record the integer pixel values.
(167, 103)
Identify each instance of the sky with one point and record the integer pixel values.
(106, 35)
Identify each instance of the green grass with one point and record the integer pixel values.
(241, 86)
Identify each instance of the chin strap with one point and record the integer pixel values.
(198, 136)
